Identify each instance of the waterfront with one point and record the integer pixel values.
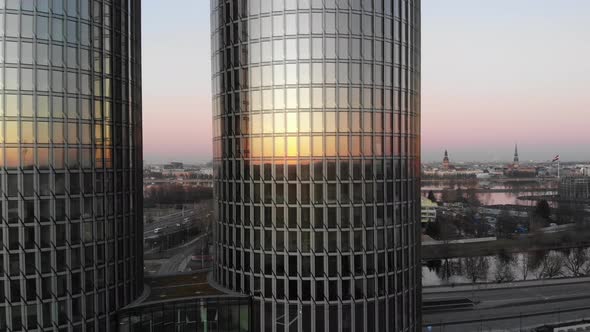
(540, 264)
(491, 192)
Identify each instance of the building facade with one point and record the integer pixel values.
(70, 163)
(428, 211)
(170, 303)
(575, 189)
(207, 314)
(516, 161)
(317, 161)
(446, 164)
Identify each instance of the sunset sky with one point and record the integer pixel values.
(494, 72)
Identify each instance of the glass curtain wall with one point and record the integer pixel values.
(317, 161)
(206, 314)
(70, 163)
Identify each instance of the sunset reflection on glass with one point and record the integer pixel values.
(70, 141)
(316, 151)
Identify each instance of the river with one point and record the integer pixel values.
(513, 191)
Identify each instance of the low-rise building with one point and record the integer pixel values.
(428, 211)
(189, 302)
(206, 171)
(521, 172)
(174, 165)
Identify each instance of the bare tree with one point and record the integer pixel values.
(476, 268)
(505, 256)
(524, 265)
(504, 272)
(576, 262)
(447, 269)
(549, 267)
(536, 258)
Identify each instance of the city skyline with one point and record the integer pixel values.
(508, 100)
(290, 179)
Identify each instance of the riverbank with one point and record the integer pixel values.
(482, 286)
(532, 242)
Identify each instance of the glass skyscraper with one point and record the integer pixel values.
(317, 152)
(70, 163)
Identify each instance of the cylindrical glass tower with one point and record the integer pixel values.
(70, 163)
(317, 150)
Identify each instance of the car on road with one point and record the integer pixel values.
(157, 230)
(177, 225)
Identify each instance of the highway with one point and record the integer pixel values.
(168, 223)
(521, 306)
(198, 182)
(178, 262)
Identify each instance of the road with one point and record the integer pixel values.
(177, 263)
(169, 220)
(198, 182)
(524, 306)
(168, 223)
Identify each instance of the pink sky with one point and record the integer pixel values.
(177, 128)
(493, 73)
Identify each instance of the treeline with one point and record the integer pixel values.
(509, 267)
(191, 175)
(448, 176)
(471, 224)
(175, 194)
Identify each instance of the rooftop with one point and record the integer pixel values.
(179, 288)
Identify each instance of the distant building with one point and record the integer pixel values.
(543, 171)
(574, 188)
(446, 165)
(206, 171)
(583, 170)
(176, 173)
(495, 172)
(428, 211)
(174, 165)
(521, 172)
(483, 175)
(515, 170)
(516, 162)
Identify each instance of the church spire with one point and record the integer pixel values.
(516, 158)
(446, 161)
